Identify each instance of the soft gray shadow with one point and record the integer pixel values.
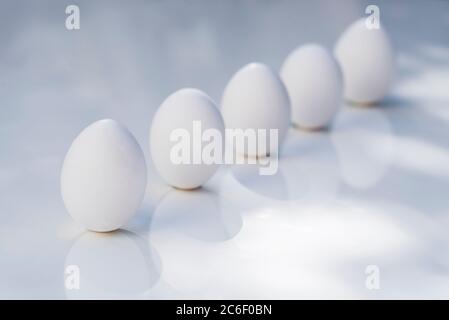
(394, 101)
(415, 119)
(427, 194)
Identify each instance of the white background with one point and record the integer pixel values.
(373, 190)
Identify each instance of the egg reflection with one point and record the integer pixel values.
(308, 170)
(364, 144)
(196, 214)
(270, 186)
(311, 169)
(118, 265)
(192, 234)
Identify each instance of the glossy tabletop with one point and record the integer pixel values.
(372, 191)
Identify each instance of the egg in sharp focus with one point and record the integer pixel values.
(103, 177)
(314, 83)
(367, 62)
(255, 98)
(186, 117)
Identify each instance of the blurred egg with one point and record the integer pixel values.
(255, 98)
(314, 83)
(185, 110)
(104, 176)
(367, 62)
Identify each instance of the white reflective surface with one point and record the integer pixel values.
(372, 190)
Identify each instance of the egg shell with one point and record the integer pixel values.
(367, 61)
(313, 80)
(103, 177)
(255, 98)
(179, 111)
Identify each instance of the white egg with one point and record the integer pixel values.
(255, 98)
(104, 176)
(184, 111)
(314, 83)
(367, 62)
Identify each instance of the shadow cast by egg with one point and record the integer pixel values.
(115, 265)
